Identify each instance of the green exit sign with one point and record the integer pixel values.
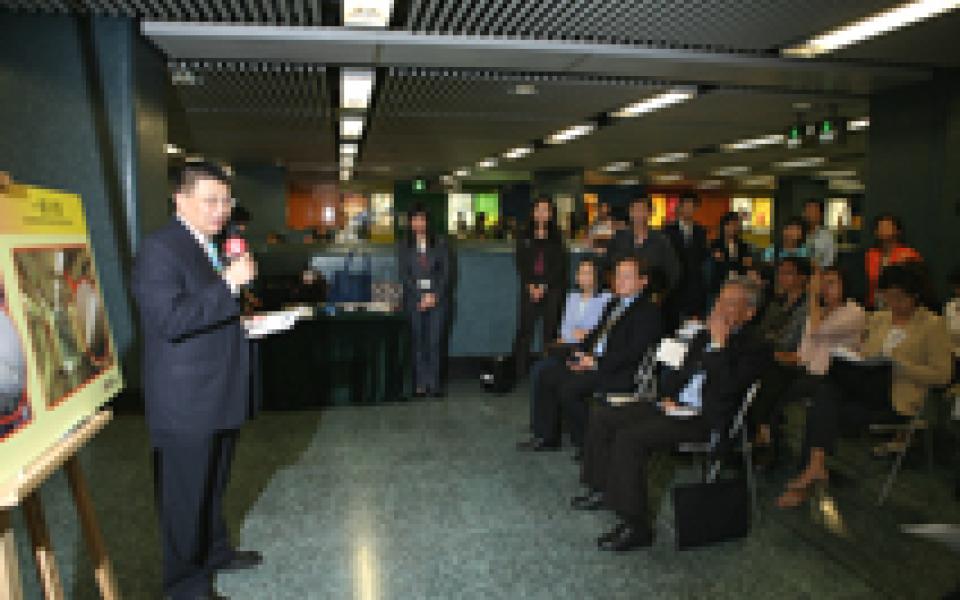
(419, 185)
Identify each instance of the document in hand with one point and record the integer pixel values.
(671, 352)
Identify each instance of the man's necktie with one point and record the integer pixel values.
(214, 256)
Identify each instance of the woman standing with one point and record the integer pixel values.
(424, 264)
(542, 266)
(728, 253)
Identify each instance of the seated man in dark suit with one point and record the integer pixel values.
(720, 364)
(604, 362)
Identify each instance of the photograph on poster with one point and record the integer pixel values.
(65, 318)
(14, 405)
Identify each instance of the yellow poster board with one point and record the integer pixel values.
(58, 361)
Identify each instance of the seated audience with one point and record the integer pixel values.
(604, 362)
(581, 314)
(791, 243)
(835, 322)
(720, 364)
(888, 250)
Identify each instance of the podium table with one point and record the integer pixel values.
(354, 357)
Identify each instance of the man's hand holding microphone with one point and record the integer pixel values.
(241, 269)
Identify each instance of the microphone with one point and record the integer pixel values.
(234, 244)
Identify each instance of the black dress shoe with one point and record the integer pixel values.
(243, 559)
(631, 537)
(591, 501)
(536, 445)
(613, 533)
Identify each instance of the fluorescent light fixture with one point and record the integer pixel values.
(524, 89)
(463, 172)
(356, 88)
(172, 149)
(571, 133)
(347, 161)
(345, 174)
(629, 182)
(648, 105)
(367, 13)
(760, 181)
(709, 184)
(871, 26)
(800, 163)
(667, 177)
(351, 128)
(351, 149)
(773, 139)
(838, 173)
(669, 157)
(518, 152)
(858, 124)
(730, 171)
(613, 167)
(487, 163)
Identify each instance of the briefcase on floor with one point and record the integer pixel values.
(707, 513)
(500, 376)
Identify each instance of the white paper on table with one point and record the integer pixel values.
(945, 533)
(671, 352)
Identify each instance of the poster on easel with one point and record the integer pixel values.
(58, 363)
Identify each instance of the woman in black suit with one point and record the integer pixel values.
(728, 253)
(424, 262)
(542, 266)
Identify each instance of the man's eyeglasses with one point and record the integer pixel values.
(211, 203)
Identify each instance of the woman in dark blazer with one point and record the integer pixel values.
(542, 265)
(728, 253)
(424, 262)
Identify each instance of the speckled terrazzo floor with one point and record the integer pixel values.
(430, 500)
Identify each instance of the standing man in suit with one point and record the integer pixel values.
(720, 364)
(650, 245)
(424, 262)
(195, 378)
(605, 361)
(690, 243)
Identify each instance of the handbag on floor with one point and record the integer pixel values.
(707, 513)
(500, 376)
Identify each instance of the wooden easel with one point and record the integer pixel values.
(24, 491)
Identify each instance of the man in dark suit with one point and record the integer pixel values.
(720, 364)
(605, 361)
(690, 243)
(195, 378)
(648, 244)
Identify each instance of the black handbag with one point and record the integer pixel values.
(707, 513)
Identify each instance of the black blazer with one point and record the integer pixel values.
(693, 252)
(730, 371)
(637, 330)
(555, 259)
(437, 271)
(726, 263)
(195, 355)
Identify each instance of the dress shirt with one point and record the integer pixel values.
(581, 313)
(621, 308)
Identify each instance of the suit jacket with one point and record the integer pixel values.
(437, 270)
(720, 269)
(657, 251)
(555, 263)
(921, 361)
(638, 329)
(195, 355)
(692, 252)
(730, 371)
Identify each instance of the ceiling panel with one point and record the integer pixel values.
(271, 12)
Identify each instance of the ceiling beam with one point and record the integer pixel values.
(385, 48)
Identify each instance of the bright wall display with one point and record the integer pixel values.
(839, 214)
(460, 215)
(381, 215)
(489, 205)
(57, 361)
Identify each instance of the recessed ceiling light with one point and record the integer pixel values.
(367, 13)
(761, 181)
(773, 139)
(667, 177)
(802, 106)
(838, 173)
(669, 157)
(883, 22)
(518, 152)
(571, 133)
(345, 174)
(524, 89)
(351, 127)
(800, 163)
(613, 167)
(674, 96)
(709, 184)
(172, 149)
(487, 163)
(858, 124)
(730, 171)
(349, 149)
(356, 88)
(347, 161)
(464, 172)
(629, 182)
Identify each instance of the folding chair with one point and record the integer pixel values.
(711, 449)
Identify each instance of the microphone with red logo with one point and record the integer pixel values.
(234, 244)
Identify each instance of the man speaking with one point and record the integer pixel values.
(196, 378)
